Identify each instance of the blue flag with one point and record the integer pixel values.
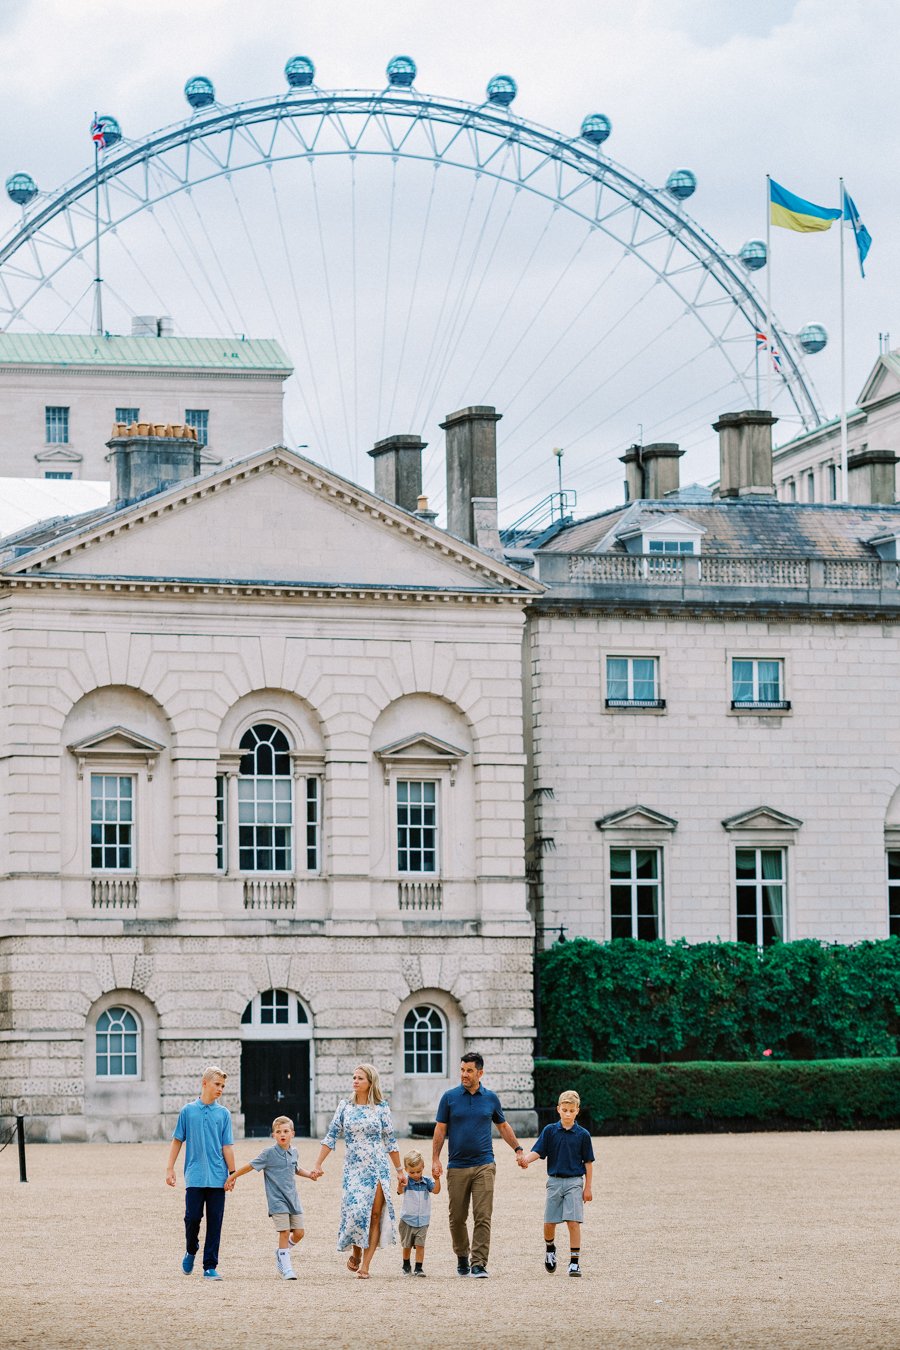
(860, 233)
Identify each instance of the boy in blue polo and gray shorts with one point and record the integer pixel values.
(279, 1165)
(570, 1156)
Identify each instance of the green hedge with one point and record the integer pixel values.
(838, 1092)
(656, 1001)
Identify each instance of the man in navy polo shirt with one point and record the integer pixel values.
(464, 1117)
(205, 1126)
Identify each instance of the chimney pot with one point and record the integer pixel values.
(871, 477)
(149, 456)
(398, 469)
(471, 468)
(745, 453)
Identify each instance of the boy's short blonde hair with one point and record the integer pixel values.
(281, 1120)
(569, 1098)
(213, 1071)
(413, 1159)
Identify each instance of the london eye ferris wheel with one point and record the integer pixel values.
(413, 254)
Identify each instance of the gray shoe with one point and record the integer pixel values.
(479, 1272)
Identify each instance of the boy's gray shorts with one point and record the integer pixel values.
(565, 1200)
(412, 1236)
(284, 1221)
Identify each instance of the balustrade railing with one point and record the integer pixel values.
(269, 894)
(419, 895)
(770, 572)
(114, 892)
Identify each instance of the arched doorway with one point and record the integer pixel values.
(276, 1062)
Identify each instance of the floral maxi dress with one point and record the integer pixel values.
(369, 1135)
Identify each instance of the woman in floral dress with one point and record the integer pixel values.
(367, 1215)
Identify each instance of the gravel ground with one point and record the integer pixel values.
(763, 1240)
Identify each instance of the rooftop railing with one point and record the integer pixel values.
(686, 574)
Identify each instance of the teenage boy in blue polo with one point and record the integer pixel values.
(464, 1117)
(204, 1126)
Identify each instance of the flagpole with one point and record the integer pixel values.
(98, 297)
(768, 294)
(844, 484)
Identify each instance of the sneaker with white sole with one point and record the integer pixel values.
(187, 1262)
(478, 1273)
(211, 1275)
(550, 1262)
(575, 1269)
(283, 1262)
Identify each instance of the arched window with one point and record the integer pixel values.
(275, 1007)
(265, 801)
(424, 1043)
(118, 1044)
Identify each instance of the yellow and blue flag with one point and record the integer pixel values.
(860, 233)
(795, 213)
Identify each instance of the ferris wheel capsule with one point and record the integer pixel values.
(681, 184)
(812, 338)
(200, 92)
(502, 89)
(596, 128)
(299, 72)
(105, 131)
(21, 188)
(401, 71)
(753, 255)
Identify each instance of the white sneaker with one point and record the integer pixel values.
(283, 1261)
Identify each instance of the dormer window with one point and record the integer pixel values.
(670, 546)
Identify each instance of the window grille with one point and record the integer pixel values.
(416, 827)
(424, 1040)
(112, 822)
(117, 1044)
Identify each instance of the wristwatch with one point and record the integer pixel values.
(518, 1149)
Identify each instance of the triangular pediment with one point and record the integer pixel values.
(637, 818)
(273, 518)
(883, 382)
(762, 818)
(116, 740)
(421, 745)
(59, 454)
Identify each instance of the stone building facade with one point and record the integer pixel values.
(263, 804)
(60, 394)
(714, 747)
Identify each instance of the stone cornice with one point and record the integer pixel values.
(145, 372)
(259, 590)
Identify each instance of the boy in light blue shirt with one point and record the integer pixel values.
(204, 1126)
(415, 1214)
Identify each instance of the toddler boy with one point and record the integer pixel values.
(570, 1156)
(415, 1215)
(279, 1165)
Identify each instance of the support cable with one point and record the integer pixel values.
(412, 294)
(334, 337)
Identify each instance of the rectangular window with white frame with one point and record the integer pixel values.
(313, 823)
(758, 683)
(417, 827)
(760, 890)
(635, 893)
(633, 682)
(893, 871)
(56, 425)
(128, 415)
(112, 822)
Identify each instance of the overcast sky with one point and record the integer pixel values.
(803, 89)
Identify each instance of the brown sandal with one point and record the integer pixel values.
(354, 1263)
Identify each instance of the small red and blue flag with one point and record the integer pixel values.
(762, 343)
(98, 134)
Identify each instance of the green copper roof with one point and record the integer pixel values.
(142, 353)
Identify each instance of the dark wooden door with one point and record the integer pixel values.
(275, 1082)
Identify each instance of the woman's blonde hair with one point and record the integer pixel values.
(375, 1094)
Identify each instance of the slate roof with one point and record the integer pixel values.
(758, 528)
(143, 353)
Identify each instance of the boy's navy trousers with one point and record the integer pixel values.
(212, 1198)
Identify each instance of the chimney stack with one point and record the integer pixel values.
(745, 454)
(398, 469)
(871, 477)
(472, 475)
(651, 471)
(147, 457)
